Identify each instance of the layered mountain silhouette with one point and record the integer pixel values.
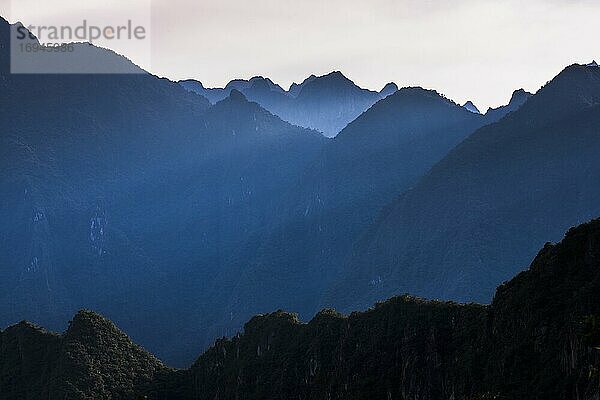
(380, 154)
(471, 107)
(538, 339)
(518, 98)
(253, 85)
(119, 191)
(131, 190)
(179, 211)
(325, 103)
(482, 211)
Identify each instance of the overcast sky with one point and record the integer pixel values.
(466, 49)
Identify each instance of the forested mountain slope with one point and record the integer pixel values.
(538, 339)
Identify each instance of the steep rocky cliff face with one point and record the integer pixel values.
(538, 339)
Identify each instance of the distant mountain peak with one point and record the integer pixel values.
(192, 82)
(236, 95)
(267, 82)
(416, 92)
(577, 85)
(295, 88)
(471, 107)
(255, 82)
(239, 84)
(593, 64)
(306, 80)
(334, 83)
(261, 83)
(336, 74)
(518, 98)
(520, 95)
(335, 77)
(388, 89)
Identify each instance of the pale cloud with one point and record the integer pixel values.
(467, 49)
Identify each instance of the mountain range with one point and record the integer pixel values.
(326, 103)
(481, 212)
(539, 338)
(129, 190)
(382, 153)
(180, 212)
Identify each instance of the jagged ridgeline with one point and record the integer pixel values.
(538, 339)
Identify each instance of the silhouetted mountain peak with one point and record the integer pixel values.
(261, 84)
(518, 98)
(87, 324)
(471, 107)
(256, 82)
(406, 95)
(593, 64)
(415, 90)
(239, 84)
(237, 96)
(190, 82)
(520, 95)
(24, 327)
(334, 82)
(388, 89)
(577, 72)
(405, 111)
(268, 322)
(295, 88)
(335, 77)
(93, 359)
(240, 116)
(576, 88)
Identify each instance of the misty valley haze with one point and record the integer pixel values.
(203, 243)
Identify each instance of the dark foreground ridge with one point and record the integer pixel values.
(537, 340)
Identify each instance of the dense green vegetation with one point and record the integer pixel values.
(91, 360)
(537, 340)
